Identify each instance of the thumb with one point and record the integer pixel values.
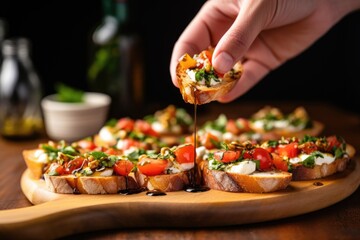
(233, 45)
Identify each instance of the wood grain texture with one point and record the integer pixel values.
(206, 209)
(337, 221)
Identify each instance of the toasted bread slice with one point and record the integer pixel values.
(89, 185)
(195, 93)
(257, 182)
(164, 182)
(301, 172)
(315, 130)
(319, 171)
(33, 163)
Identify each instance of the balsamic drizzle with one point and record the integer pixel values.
(194, 177)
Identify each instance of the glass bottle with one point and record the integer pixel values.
(20, 92)
(117, 63)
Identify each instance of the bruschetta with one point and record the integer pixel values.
(310, 157)
(168, 170)
(171, 123)
(65, 169)
(272, 123)
(199, 82)
(243, 167)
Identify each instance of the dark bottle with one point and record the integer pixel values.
(20, 92)
(117, 61)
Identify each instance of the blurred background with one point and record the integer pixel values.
(63, 50)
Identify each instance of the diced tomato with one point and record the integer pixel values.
(74, 164)
(269, 148)
(290, 150)
(123, 167)
(145, 127)
(185, 153)
(206, 54)
(113, 151)
(127, 143)
(333, 141)
(262, 155)
(231, 127)
(56, 169)
(209, 141)
(280, 163)
(152, 167)
(227, 156)
(308, 147)
(86, 144)
(126, 124)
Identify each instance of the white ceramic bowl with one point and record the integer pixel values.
(74, 121)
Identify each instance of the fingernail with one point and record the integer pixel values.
(223, 62)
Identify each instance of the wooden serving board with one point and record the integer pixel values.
(65, 214)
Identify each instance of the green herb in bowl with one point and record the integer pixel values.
(69, 94)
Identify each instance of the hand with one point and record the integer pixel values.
(263, 34)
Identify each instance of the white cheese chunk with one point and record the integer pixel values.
(106, 135)
(244, 167)
(327, 158)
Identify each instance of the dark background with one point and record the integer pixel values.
(60, 34)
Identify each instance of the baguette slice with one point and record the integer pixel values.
(195, 93)
(89, 185)
(258, 182)
(315, 130)
(33, 163)
(300, 172)
(164, 182)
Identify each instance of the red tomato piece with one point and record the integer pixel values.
(308, 147)
(86, 144)
(127, 143)
(113, 151)
(152, 167)
(145, 127)
(290, 150)
(209, 141)
(126, 124)
(185, 153)
(227, 156)
(280, 163)
(333, 141)
(74, 164)
(232, 127)
(263, 156)
(56, 169)
(123, 167)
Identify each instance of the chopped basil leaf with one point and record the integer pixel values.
(98, 155)
(309, 162)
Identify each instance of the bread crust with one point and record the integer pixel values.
(258, 182)
(164, 182)
(198, 94)
(32, 163)
(89, 185)
(301, 172)
(315, 130)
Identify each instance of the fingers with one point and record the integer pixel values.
(251, 20)
(253, 73)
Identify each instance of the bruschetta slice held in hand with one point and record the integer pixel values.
(199, 82)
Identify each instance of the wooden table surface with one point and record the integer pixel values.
(339, 221)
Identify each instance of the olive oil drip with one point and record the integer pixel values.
(194, 176)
